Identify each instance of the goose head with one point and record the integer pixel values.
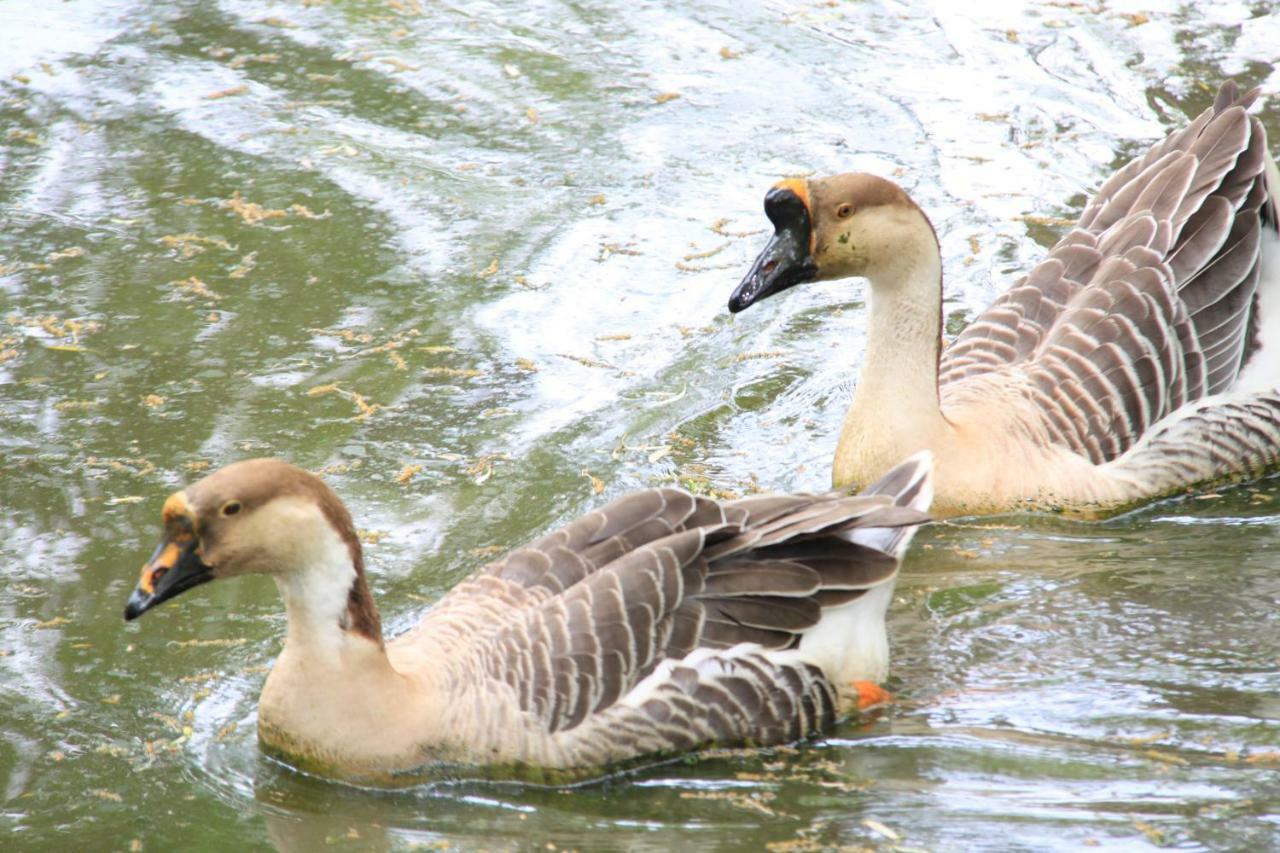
(259, 516)
(842, 226)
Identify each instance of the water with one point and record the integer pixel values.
(472, 260)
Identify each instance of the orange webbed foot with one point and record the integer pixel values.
(870, 695)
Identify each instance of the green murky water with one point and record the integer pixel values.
(471, 259)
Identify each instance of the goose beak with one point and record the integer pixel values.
(788, 259)
(173, 569)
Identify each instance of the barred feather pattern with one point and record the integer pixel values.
(664, 622)
(1224, 438)
(1148, 305)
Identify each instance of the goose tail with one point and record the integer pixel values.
(850, 642)
(910, 484)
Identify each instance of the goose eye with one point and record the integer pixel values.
(843, 211)
(230, 508)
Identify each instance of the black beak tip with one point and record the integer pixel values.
(747, 293)
(137, 604)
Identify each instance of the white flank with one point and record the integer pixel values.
(1262, 371)
(849, 642)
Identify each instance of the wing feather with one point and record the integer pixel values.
(1149, 303)
(749, 574)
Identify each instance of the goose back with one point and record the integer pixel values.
(1149, 303)
(664, 621)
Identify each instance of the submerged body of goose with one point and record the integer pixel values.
(660, 623)
(1139, 359)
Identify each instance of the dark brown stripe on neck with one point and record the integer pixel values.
(362, 614)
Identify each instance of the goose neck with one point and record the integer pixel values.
(900, 367)
(327, 600)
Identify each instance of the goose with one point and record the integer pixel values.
(1138, 360)
(658, 624)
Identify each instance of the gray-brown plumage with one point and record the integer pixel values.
(1161, 305)
(660, 623)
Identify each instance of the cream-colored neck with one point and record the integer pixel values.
(334, 696)
(900, 367)
(895, 410)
